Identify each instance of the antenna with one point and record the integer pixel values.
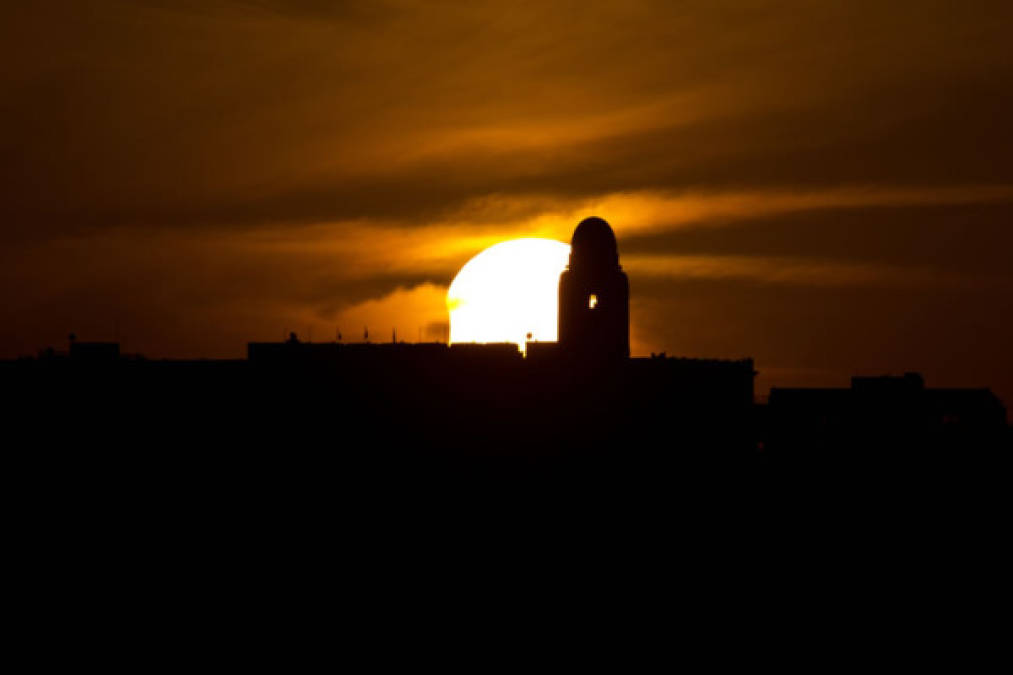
(393, 335)
(365, 333)
(339, 334)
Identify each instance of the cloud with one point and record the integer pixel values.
(795, 271)
(245, 114)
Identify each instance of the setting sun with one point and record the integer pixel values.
(508, 291)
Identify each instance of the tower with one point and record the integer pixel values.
(594, 296)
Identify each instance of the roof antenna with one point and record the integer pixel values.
(393, 335)
(365, 333)
(339, 334)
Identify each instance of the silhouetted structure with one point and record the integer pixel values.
(883, 415)
(579, 397)
(594, 296)
(351, 415)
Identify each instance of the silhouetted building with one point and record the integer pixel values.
(582, 395)
(886, 414)
(293, 353)
(542, 352)
(594, 296)
(698, 406)
(423, 409)
(320, 440)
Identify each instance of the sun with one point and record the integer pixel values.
(508, 291)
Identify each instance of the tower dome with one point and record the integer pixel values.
(594, 244)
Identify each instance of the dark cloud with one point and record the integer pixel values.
(244, 113)
(947, 238)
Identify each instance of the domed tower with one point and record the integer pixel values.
(594, 296)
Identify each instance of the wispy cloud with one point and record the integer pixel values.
(802, 272)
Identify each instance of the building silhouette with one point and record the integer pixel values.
(412, 414)
(883, 416)
(583, 395)
(308, 455)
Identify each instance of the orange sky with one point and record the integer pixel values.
(825, 187)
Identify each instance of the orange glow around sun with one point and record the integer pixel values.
(508, 291)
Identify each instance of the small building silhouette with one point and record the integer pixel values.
(883, 413)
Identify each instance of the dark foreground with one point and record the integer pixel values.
(182, 436)
(160, 512)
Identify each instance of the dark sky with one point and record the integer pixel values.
(826, 187)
